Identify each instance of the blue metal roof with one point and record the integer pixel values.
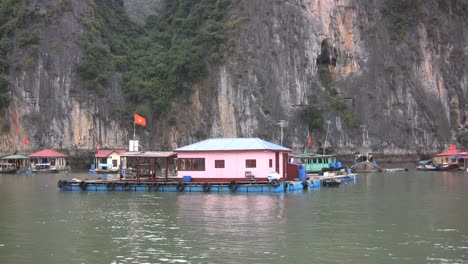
(224, 144)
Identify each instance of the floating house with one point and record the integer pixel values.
(214, 165)
(148, 164)
(463, 159)
(14, 163)
(231, 159)
(448, 160)
(48, 160)
(107, 160)
(446, 157)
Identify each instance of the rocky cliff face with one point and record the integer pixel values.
(49, 107)
(405, 93)
(398, 94)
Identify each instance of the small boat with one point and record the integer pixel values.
(7, 168)
(429, 165)
(365, 163)
(426, 165)
(332, 182)
(44, 168)
(395, 169)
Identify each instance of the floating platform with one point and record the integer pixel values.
(174, 186)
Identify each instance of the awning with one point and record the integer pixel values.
(15, 157)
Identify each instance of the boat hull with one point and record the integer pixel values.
(448, 167)
(366, 167)
(439, 167)
(7, 171)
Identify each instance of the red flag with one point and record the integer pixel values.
(26, 142)
(309, 142)
(140, 120)
(97, 147)
(452, 147)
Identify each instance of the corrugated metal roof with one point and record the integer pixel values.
(226, 144)
(15, 157)
(148, 154)
(104, 153)
(47, 153)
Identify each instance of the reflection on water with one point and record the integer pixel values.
(410, 217)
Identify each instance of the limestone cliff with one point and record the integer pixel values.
(403, 92)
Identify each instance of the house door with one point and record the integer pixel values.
(285, 165)
(277, 162)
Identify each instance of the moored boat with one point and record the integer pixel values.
(332, 182)
(317, 163)
(426, 165)
(450, 160)
(7, 167)
(448, 167)
(364, 163)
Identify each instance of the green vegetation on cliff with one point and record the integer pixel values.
(172, 55)
(159, 61)
(16, 18)
(404, 14)
(12, 15)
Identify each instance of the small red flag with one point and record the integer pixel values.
(26, 142)
(452, 147)
(309, 142)
(140, 120)
(97, 147)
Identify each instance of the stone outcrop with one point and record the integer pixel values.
(408, 96)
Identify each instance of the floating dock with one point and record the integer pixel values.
(216, 187)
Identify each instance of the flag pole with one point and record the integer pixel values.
(133, 131)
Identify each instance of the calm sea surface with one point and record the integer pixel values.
(410, 217)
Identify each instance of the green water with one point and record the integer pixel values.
(410, 217)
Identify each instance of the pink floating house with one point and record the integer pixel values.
(226, 159)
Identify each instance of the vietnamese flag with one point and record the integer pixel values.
(140, 120)
(26, 142)
(309, 142)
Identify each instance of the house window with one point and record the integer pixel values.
(188, 164)
(270, 163)
(219, 164)
(251, 163)
(114, 163)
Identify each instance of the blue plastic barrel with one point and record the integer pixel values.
(302, 173)
(187, 178)
(338, 164)
(332, 165)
